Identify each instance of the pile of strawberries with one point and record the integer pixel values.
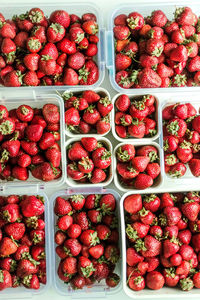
(89, 161)
(135, 117)
(163, 240)
(55, 50)
(87, 239)
(153, 52)
(29, 142)
(137, 168)
(87, 112)
(181, 130)
(22, 242)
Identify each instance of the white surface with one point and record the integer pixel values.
(105, 8)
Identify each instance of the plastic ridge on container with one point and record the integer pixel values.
(98, 290)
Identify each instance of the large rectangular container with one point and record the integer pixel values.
(78, 8)
(145, 8)
(12, 100)
(22, 292)
(100, 290)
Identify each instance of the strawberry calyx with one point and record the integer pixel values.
(36, 239)
(6, 127)
(1, 276)
(171, 272)
(139, 245)
(97, 198)
(66, 95)
(83, 74)
(46, 57)
(85, 162)
(105, 209)
(16, 281)
(27, 280)
(57, 28)
(114, 256)
(68, 275)
(2, 113)
(150, 198)
(139, 104)
(67, 251)
(124, 81)
(186, 284)
(72, 128)
(133, 22)
(131, 169)
(20, 17)
(175, 174)
(178, 12)
(4, 156)
(131, 233)
(174, 240)
(186, 200)
(123, 121)
(180, 80)
(94, 239)
(171, 159)
(123, 155)
(6, 216)
(143, 212)
(105, 101)
(13, 265)
(10, 57)
(185, 145)
(55, 171)
(88, 270)
(32, 222)
(106, 155)
(138, 280)
(79, 37)
(173, 127)
(162, 219)
(188, 120)
(157, 51)
(36, 16)
(77, 198)
(166, 145)
(2, 23)
(34, 44)
(153, 156)
(134, 76)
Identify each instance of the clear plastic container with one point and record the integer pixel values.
(98, 290)
(168, 99)
(103, 93)
(165, 292)
(12, 100)
(157, 182)
(132, 139)
(22, 292)
(107, 143)
(145, 8)
(79, 8)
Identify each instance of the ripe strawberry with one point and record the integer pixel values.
(64, 222)
(136, 282)
(47, 140)
(76, 61)
(122, 61)
(176, 127)
(148, 78)
(195, 124)
(185, 16)
(121, 32)
(190, 209)
(104, 106)
(32, 206)
(136, 130)
(6, 280)
(86, 165)
(77, 152)
(133, 203)
(113, 280)
(103, 125)
(7, 247)
(125, 153)
(85, 267)
(89, 143)
(143, 181)
(15, 230)
(151, 202)
(135, 21)
(153, 169)
(126, 171)
(89, 74)
(122, 103)
(101, 158)
(140, 163)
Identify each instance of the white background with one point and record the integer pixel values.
(106, 7)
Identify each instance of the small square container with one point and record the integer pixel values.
(132, 139)
(22, 292)
(144, 8)
(12, 100)
(78, 8)
(103, 93)
(70, 182)
(158, 181)
(98, 290)
(165, 292)
(173, 98)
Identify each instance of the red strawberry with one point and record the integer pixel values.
(170, 247)
(176, 127)
(126, 171)
(15, 230)
(91, 115)
(133, 203)
(149, 79)
(103, 125)
(136, 230)
(150, 247)
(86, 165)
(89, 74)
(136, 130)
(25, 268)
(113, 280)
(54, 156)
(140, 163)
(32, 206)
(135, 20)
(51, 113)
(34, 132)
(185, 16)
(153, 169)
(104, 106)
(76, 60)
(47, 140)
(151, 202)
(55, 32)
(143, 181)
(89, 143)
(6, 280)
(64, 222)
(190, 209)
(85, 267)
(155, 47)
(122, 103)
(122, 61)
(101, 158)
(7, 247)
(195, 124)
(77, 152)
(77, 201)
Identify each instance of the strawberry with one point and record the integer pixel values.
(54, 156)
(47, 140)
(89, 143)
(170, 160)
(76, 61)
(89, 74)
(15, 230)
(126, 171)
(77, 152)
(113, 280)
(85, 267)
(150, 247)
(25, 268)
(32, 206)
(55, 32)
(149, 79)
(195, 124)
(67, 46)
(86, 165)
(91, 115)
(136, 230)
(13, 78)
(185, 16)
(136, 130)
(103, 126)
(107, 203)
(77, 201)
(74, 172)
(154, 47)
(176, 127)
(133, 203)
(101, 158)
(78, 282)
(122, 103)
(194, 64)
(143, 181)
(135, 21)
(140, 163)
(194, 165)
(36, 15)
(6, 280)
(184, 152)
(122, 61)
(125, 153)
(170, 143)
(151, 202)
(61, 17)
(104, 106)
(196, 280)
(170, 247)
(64, 222)
(69, 265)
(31, 61)
(190, 209)
(7, 247)
(136, 283)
